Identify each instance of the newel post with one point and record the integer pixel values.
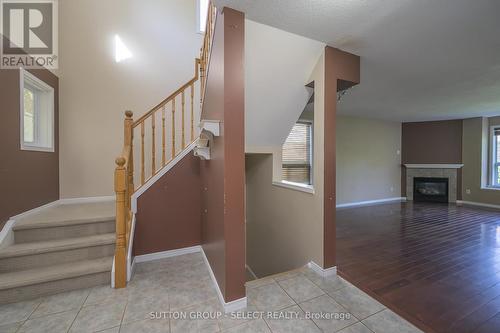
(120, 246)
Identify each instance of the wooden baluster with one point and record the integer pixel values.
(143, 174)
(209, 25)
(163, 154)
(192, 112)
(202, 76)
(153, 145)
(120, 250)
(173, 128)
(129, 140)
(183, 134)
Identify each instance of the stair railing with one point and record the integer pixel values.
(206, 48)
(125, 175)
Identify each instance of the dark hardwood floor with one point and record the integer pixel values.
(437, 265)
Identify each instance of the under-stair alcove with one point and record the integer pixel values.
(281, 199)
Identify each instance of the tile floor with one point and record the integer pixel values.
(182, 285)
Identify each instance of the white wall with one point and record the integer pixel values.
(95, 91)
(368, 163)
(277, 66)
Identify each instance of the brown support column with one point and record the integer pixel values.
(342, 70)
(234, 147)
(223, 176)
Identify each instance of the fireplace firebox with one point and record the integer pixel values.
(430, 189)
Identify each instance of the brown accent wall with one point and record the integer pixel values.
(223, 176)
(28, 179)
(432, 142)
(342, 70)
(169, 212)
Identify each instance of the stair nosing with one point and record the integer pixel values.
(61, 223)
(101, 265)
(82, 242)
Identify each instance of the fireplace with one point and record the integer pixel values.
(430, 189)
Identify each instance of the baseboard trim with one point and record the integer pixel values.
(113, 273)
(322, 271)
(371, 202)
(166, 254)
(6, 234)
(35, 210)
(130, 258)
(68, 201)
(228, 306)
(252, 273)
(479, 204)
(160, 174)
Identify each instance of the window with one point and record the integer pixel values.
(202, 12)
(37, 113)
(297, 154)
(495, 131)
(122, 52)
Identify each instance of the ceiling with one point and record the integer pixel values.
(421, 59)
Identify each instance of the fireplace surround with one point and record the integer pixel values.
(446, 171)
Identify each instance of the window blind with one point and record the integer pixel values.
(496, 156)
(297, 152)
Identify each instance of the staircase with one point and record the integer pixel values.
(153, 142)
(74, 246)
(61, 248)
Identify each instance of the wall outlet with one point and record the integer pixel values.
(398, 152)
(392, 189)
(467, 191)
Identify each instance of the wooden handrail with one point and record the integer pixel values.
(171, 96)
(124, 171)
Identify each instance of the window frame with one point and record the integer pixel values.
(43, 113)
(311, 156)
(494, 164)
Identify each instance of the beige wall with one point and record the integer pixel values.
(475, 136)
(95, 91)
(284, 227)
(368, 162)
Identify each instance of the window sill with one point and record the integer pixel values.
(295, 186)
(491, 188)
(37, 148)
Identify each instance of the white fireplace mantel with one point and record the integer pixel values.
(433, 166)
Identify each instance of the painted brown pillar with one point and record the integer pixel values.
(342, 70)
(223, 176)
(234, 147)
